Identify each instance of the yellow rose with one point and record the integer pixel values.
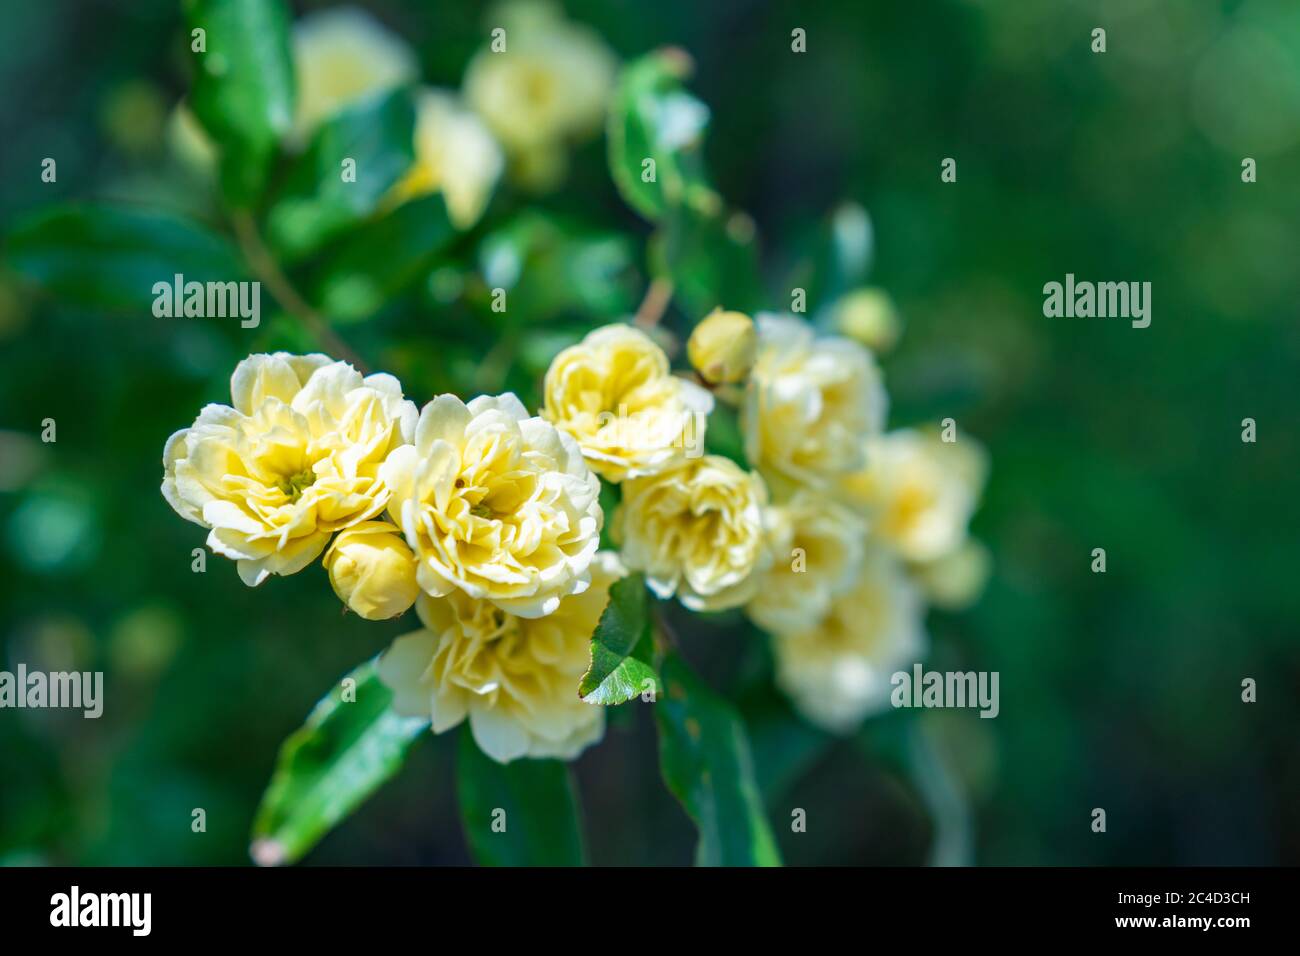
(696, 531)
(515, 678)
(343, 55)
(372, 570)
(869, 316)
(548, 86)
(454, 155)
(838, 670)
(918, 492)
(496, 504)
(809, 403)
(817, 551)
(295, 459)
(722, 347)
(630, 415)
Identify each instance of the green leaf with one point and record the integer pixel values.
(552, 266)
(653, 118)
(109, 257)
(705, 761)
(330, 765)
(316, 202)
(711, 261)
(615, 675)
(844, 253)
(362, 272)
(535, 801)
(707, 253)
(243, 91)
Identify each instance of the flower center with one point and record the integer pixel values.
(294, 485)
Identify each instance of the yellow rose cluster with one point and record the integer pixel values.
(486, 518)
(860, 528)
(833, 536)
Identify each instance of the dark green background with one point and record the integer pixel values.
(1119, 691)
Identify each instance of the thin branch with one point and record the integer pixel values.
(266, 268)
(652, 307)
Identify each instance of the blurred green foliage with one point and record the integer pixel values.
(1120, 690)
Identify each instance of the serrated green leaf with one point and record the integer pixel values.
(330, 765)
(316, 202)
(705, 761)
(109, 257)
(524, 813)
(653, 118)
(243, 91)
(363, 271)
(615, 674)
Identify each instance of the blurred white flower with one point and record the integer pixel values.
(817, 549)
(918, 491)
(954, 580)
(343, 55)
(837, 671)
(548, 87)
(809, 403)
(455, 155)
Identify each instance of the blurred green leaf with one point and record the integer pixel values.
(711, 261)
(844, 254)
(109, 257)
(616, 675)
(705, 760)
(652, 118)
(243, 90)
(551, 266)
(363, 271)
(329, 766)
(532, 803)
(708, 253)
(316, 202)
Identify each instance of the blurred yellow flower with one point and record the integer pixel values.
(723, 346)
(954, 580)
(837, 671)
(343, 55)
(548, 86)
(454, 155)
(869, 316)
(817, 549)
(372, 570)
(809, 403)
(918, 491)
(297, 458)
(515, 678)
(696, 531)
(613, 392)
(495, 503)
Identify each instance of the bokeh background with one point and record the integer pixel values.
(1119, 691)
